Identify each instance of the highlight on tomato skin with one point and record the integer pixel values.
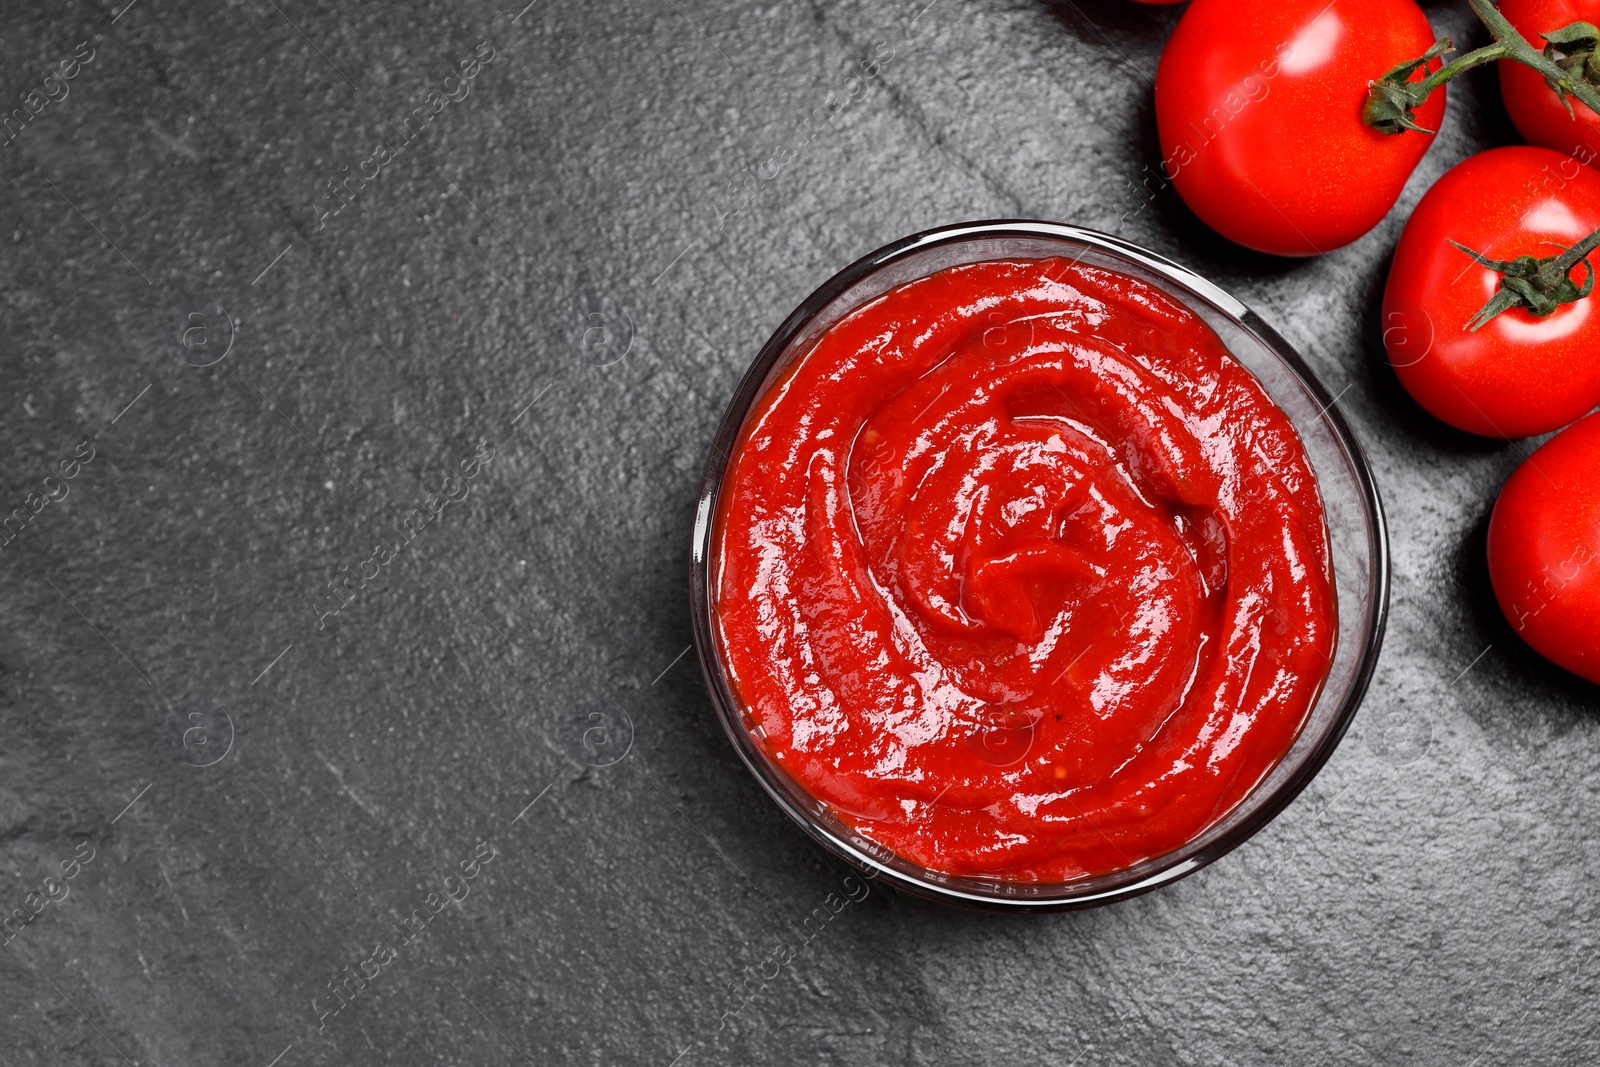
(1518, 374)
(1544, 549)
(1259, 109)
(1535, 110)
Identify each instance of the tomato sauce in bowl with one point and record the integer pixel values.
(1016, 577)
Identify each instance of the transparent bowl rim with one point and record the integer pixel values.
(1158, 871)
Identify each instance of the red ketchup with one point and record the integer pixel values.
(1021, 573)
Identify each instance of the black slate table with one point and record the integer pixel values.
(226, 787)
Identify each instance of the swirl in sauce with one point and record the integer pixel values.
(1022, 573)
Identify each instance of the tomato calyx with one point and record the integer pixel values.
(1574, 50)
(1537, 285)
(1393, 98)
(1567, 63)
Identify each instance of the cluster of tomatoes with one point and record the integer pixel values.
(1291, 127)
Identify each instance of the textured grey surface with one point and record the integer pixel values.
(573, 235)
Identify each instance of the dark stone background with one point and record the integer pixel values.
(1428, 900)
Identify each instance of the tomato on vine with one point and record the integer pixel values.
(1565, 31)
(1259, 104)
(1487, 315)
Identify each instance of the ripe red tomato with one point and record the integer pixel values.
(1258, 103)
(1518, 374)
(1536, 110)
(1544, 549)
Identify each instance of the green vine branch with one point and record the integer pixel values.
(1567, 62)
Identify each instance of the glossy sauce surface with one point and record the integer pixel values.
(1022, 573)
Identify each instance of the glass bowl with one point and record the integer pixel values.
(1357, 539)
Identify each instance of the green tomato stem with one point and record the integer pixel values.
(1393, 98)
(1538, 286)
(1489, 53)
(1559, 80)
